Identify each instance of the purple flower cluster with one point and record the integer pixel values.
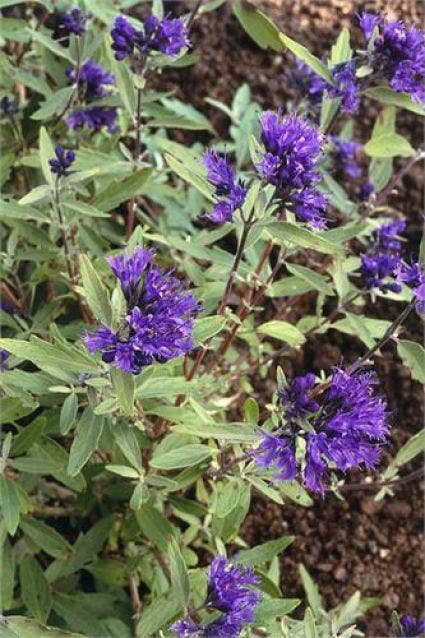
(8, 107)
(344, 84)
(159, 321)
(230, 592)
(344, 152)
(168, 36)
(397, 53)
(411, 627)
(414, 276)
(93, 84)
(4, 355)
(74, 21)
(344, 428)
(380, 266)
(230, 192)
(292, 149)
(60, 164)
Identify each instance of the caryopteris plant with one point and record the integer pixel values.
(139, 276)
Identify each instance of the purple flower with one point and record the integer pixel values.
(414, 276)
(345, 86)
(95, 118)
(380, 266)
(159, 321)
(93, 80)
(380, 271)
(365, 191)
(4, 355)
(368, 22)
(295, 400)
(59, 165)
(344, 154)
(398, 54)
(8, 107)
(230, 192)
(411, 627)
(168, 36)
(310, 206)
(292, 149)
(230, 591)
(308, 83)
(74, 21)
(345, 427)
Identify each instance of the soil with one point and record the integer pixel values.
(356, 543)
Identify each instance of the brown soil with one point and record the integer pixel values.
(356, 543)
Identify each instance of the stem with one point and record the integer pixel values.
(136, 603)
(247, 225)
(65, 243)
(193, 14)
(136, 155)
(397, 177)
(358, 487)
(238, 257)
(68, 257)
(388, 334)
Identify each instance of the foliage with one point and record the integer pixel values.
(131, 415)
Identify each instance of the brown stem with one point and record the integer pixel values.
(136, 154)
(388, 334)
(136, 603)
(200, 355)
(397, 177)
(193, 14)
(358, 487)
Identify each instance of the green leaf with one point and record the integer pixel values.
(413, 356)
(53, 104)
(120, 191)
(36, 194)
(155, 526)
(251, 410)
(414, 446)
(123, 384)
(288, 287)
(310, 630)
(389, 145)
(226, 432)
(207, 327)
(57, 359)
(127, 442)
(311, 590)
(317, 281)
(87, 438)
(10, 504)
(52, 45)
(275, 607)
(47, 538)
(184, 456)
(183, 171)
(258, 26)
(263, 553)
(28, 628)
(68, 414)
(95, 292)
(47, 151)
(158, 614)
(300, 236)
(179, 574)
(402, 100)
(304, 54)
(282, 330)
(34, 588)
